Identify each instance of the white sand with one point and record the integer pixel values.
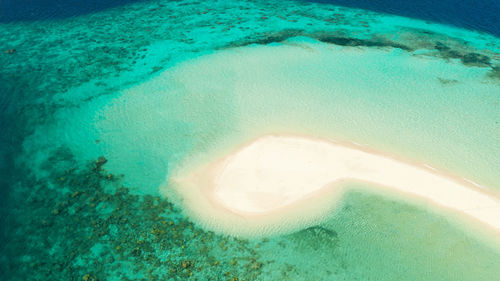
(274, 174)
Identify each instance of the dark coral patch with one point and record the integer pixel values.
(468, 59)
(475, 59)
(330, 38)
(447, 52)
(268, 37)
(353, 42)
(495, 72)
(445, 81)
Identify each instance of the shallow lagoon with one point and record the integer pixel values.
(175, 80)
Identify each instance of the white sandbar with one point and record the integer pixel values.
(274, 173)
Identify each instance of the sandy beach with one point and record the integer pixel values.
(266, 181)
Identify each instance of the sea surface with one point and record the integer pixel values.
(470, 14)
(101, 100)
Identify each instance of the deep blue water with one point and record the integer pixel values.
(29, 10)
(482, 15)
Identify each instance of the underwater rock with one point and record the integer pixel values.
(187, 264)
(441, 47)
(445, 81)
(136, 252)
(355, 42)
(325, 37)
(269, 37)
(475, 59)
(446, 51)
(88, 277)
(100, 161)
(322, 231)
(495, 72)
(469, 59)
(56, 211)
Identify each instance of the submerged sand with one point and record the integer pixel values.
(277, 178)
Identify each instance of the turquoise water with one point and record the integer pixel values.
(152, 85)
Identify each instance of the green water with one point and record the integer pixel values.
(372, 238)
(152, 85)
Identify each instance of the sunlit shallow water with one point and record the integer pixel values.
(173, 82)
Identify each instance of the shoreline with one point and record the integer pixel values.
(224, 205)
